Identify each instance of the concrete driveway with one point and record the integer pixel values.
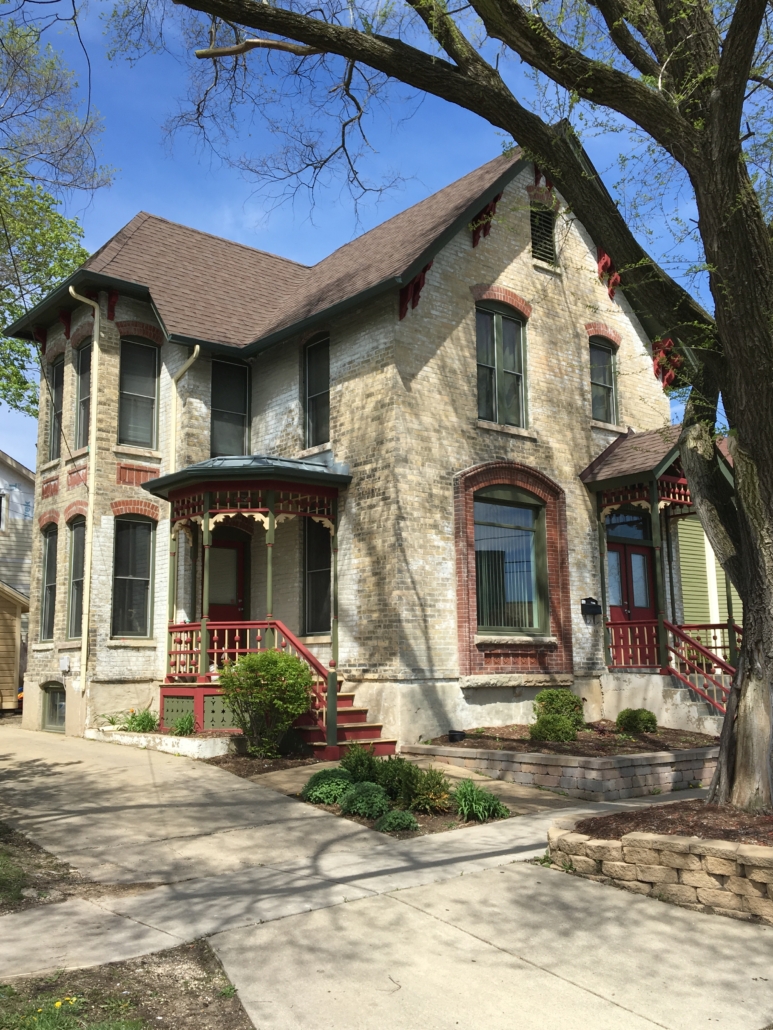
(321, 922)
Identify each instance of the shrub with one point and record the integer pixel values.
(399, 778)
(266, 692)
(143, 721)
(365, 799)
(553, 727)
(396, 822)
(473, 802)
(432, 792)
(637, 720)
(185, 725)
(560, 702)
(361, 763)
(327, 786)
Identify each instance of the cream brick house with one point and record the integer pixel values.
(425, 398)
(17, 496)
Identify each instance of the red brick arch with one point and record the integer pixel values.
(599, 329)
(504, 296)
(47, 518)
(512, 658)
(74, 509)
(144, 329)
(135, 507)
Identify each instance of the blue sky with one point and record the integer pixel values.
(437, 145)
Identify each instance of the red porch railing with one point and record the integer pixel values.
(715, 637)
(698, 668)
(633, 645)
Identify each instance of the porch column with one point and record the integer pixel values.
(659, 591)
(172, 609)
(270, 531)
(670, 555)
(206, 539)
(331, 715)
(731, 641)
(602, 530)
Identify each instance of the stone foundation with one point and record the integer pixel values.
(715, 876)
(592, 779)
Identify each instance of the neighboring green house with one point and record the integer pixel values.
(704, 584)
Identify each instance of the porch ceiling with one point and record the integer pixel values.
(251, 468)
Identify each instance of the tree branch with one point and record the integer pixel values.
(736, 61)
(251, 44)
(613, 15)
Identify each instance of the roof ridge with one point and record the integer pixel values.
(104, 255)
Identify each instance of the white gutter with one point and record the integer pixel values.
(91, 481)
(173, 423)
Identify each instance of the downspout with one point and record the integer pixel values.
(173, 430)
(91, 480)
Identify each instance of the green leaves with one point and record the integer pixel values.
(473, 802)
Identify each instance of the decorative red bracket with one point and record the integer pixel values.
(481, 223)
(665, 361)
(607, 272)
(409, 295)
(40, 335)
(65, 317)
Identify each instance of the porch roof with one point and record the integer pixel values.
(633, 457)
(251, 467)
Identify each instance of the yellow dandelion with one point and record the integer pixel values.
(40, 1010)
(57, 1004)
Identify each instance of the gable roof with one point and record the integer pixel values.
(222, 294)
(635, 454)
(17, 466)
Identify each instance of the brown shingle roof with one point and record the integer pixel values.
(632, 454)
(212, 289)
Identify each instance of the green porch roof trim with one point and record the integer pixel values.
(251, 467)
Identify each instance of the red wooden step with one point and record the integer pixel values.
(347, 731)
(382, 747)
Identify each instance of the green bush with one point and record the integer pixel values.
(365, 799)
(473, 802)
(396, 821)
(327, 786)
(553, 727)
(399, 778)
(185, 725)
(266, 692)
(143, 721)
(432, 792)
(361, 763)
(560, 702)
(637, 720)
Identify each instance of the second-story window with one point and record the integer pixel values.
(77, 552)
(318, 392)
(83, 368)
(500, 368)
(229, 418)
(48, 607)
(55, 406)
(543, 234)
(139, 387)
(602, 380)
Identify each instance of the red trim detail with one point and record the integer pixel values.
(505, 296)
(40, 335)
(134, 475)
(409, 295)
(539, 174)
(65, 317)
(599, 329)
(48, 517)
(512, 658)
(75, 508)
(665, 360)
(150, 332)
(112, 300)
(77, 476)
(50, 487)
(607, 272)
(82, 332)
(135, 507)
(481, 223)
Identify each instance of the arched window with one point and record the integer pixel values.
(77, 554)
(501, 366)
(510, 560)
(603, 380)
(132, 576)
(48, 605)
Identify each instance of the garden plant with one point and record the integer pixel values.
(637, 720)
(553, 727)
(560, 702)
(327, 786)
(143, 721)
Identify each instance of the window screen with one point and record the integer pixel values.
(131, 577)
(318, 393)
(139, 377)
(602, 379)
(55, 406)
(230, 386)
(543, 234)
(48, 609)
(83, 366)
(500, 368)
(317, 577)
(77, 542)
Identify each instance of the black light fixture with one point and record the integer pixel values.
(590, 606)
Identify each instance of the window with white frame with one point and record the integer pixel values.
(603, 380)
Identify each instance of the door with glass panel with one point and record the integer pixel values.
(629, 589)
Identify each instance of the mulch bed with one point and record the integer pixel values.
(686, 818)
(597, 740)
(184, 987)
(247, 767)
(438, 822)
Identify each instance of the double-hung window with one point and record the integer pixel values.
(510, 560)
(318, 392)
(602, 380)
(543, 234)
(132, 564)
(317, 577)
(48, 607)
(229, 410)
(56, 398)
(77, 552)
(139, 389)
(83, 367)
(501, 393)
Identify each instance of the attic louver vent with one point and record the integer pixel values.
(543, 243)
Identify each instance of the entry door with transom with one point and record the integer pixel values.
(630, 587)
(226, 581)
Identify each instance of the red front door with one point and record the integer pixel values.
(226, 581)
(630, 588)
